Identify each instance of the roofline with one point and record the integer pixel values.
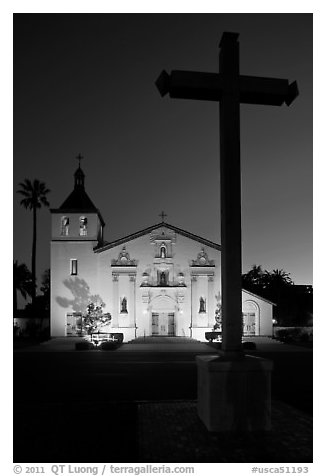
(260, 297)
(76, 210)
(140, 233)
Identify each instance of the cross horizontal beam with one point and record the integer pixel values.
(230, 89)
(210, 87)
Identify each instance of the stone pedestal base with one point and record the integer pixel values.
(234, 395)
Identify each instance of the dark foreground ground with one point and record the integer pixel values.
(137, 406)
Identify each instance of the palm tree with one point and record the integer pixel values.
(254, 279)
(34, 194)
(22, 282)
(278, 277)
(277, 283)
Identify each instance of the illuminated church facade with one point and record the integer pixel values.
(160, 281)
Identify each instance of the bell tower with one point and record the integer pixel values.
(76, 229)
(77, 218)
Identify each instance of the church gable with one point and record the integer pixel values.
(160, 231)
(161, 256)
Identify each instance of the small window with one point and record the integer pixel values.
(64, 226)
(83, 226)
(73, 267)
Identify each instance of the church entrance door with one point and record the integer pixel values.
(163, 324)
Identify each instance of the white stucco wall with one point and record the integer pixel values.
(71, 293)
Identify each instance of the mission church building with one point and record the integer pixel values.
(160, 281)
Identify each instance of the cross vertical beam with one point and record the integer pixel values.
(230, 89)
(162, 215)
(230, 192)
(79, 158)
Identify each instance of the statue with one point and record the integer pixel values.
(163, 279)
(124, 305)
(202, 305)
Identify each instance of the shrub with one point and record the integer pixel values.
(249, 346)
(281, 334)
(83, 345)
(293, 334)
(306, 337)
(45, 333)
(109, 345)
(32, 328)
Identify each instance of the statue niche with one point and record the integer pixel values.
(163, 278)
(163, 251)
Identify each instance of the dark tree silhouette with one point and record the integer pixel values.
(22, 282)
(277, 283)
(277, 278)
(41, 306)
(34, 194)
(278, 287)
(254, 280)
(45, 285)
(272, 282)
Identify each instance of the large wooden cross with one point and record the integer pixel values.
(230, 89)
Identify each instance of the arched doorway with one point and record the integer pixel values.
(250, 314)
(163, 316)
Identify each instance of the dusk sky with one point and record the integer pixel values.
(84, 83)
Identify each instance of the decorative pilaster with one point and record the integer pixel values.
(194, 303)
(146, 317)
(210, 303)
(115, 317)
(132, 300)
